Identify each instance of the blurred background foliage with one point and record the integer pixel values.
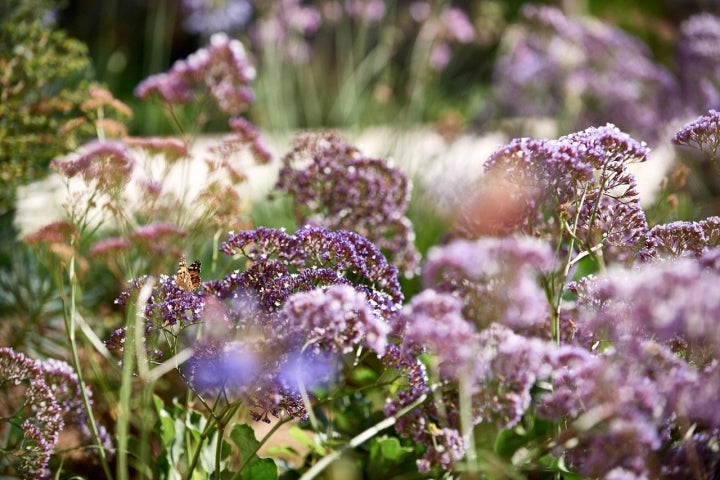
(325, 67)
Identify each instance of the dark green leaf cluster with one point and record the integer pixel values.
(43, 81)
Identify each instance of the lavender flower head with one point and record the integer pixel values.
(333, 185)
(283, 264)
(222, 70)
(702, 134)
(682, 239)
(496, 279)
(300, 302)
(588, 71)
(495, 368)
(612, 411)
(336, 319)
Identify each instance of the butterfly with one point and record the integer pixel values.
(188, 278)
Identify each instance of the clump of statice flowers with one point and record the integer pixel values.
(332, 184)
(40, 399)
(569, 328)
(584, 71)
(576, 191)
(292, 307)
(587, 73)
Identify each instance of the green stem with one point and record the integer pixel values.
(70, 332)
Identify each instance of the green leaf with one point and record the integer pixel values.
(253, 467)
(387, 455)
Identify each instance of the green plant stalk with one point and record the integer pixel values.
(361, 438)
(466, 424)
(124, 407)
(146, 395)
(213, 422)
(70, 332)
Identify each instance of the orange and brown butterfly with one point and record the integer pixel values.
(188, 278)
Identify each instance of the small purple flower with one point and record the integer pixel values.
(284, 264)
(433, 323)
(38, 414)
(661, 300)
(576, 188)
(169, 305)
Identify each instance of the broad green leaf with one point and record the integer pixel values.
(254, 467)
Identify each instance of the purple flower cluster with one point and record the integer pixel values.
(301, 301)
(43, 398)
(587, 71)
(624, 409)
(663, 300)
(297, 347)
(222, 69)
(337, 319)
(169, 305)
(702, 134)
(333, 185)
(281, 264)
(682, 239)
(497, 280)
(576, 187)
(698, 62)
(495, 369)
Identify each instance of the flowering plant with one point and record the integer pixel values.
(555, 331)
